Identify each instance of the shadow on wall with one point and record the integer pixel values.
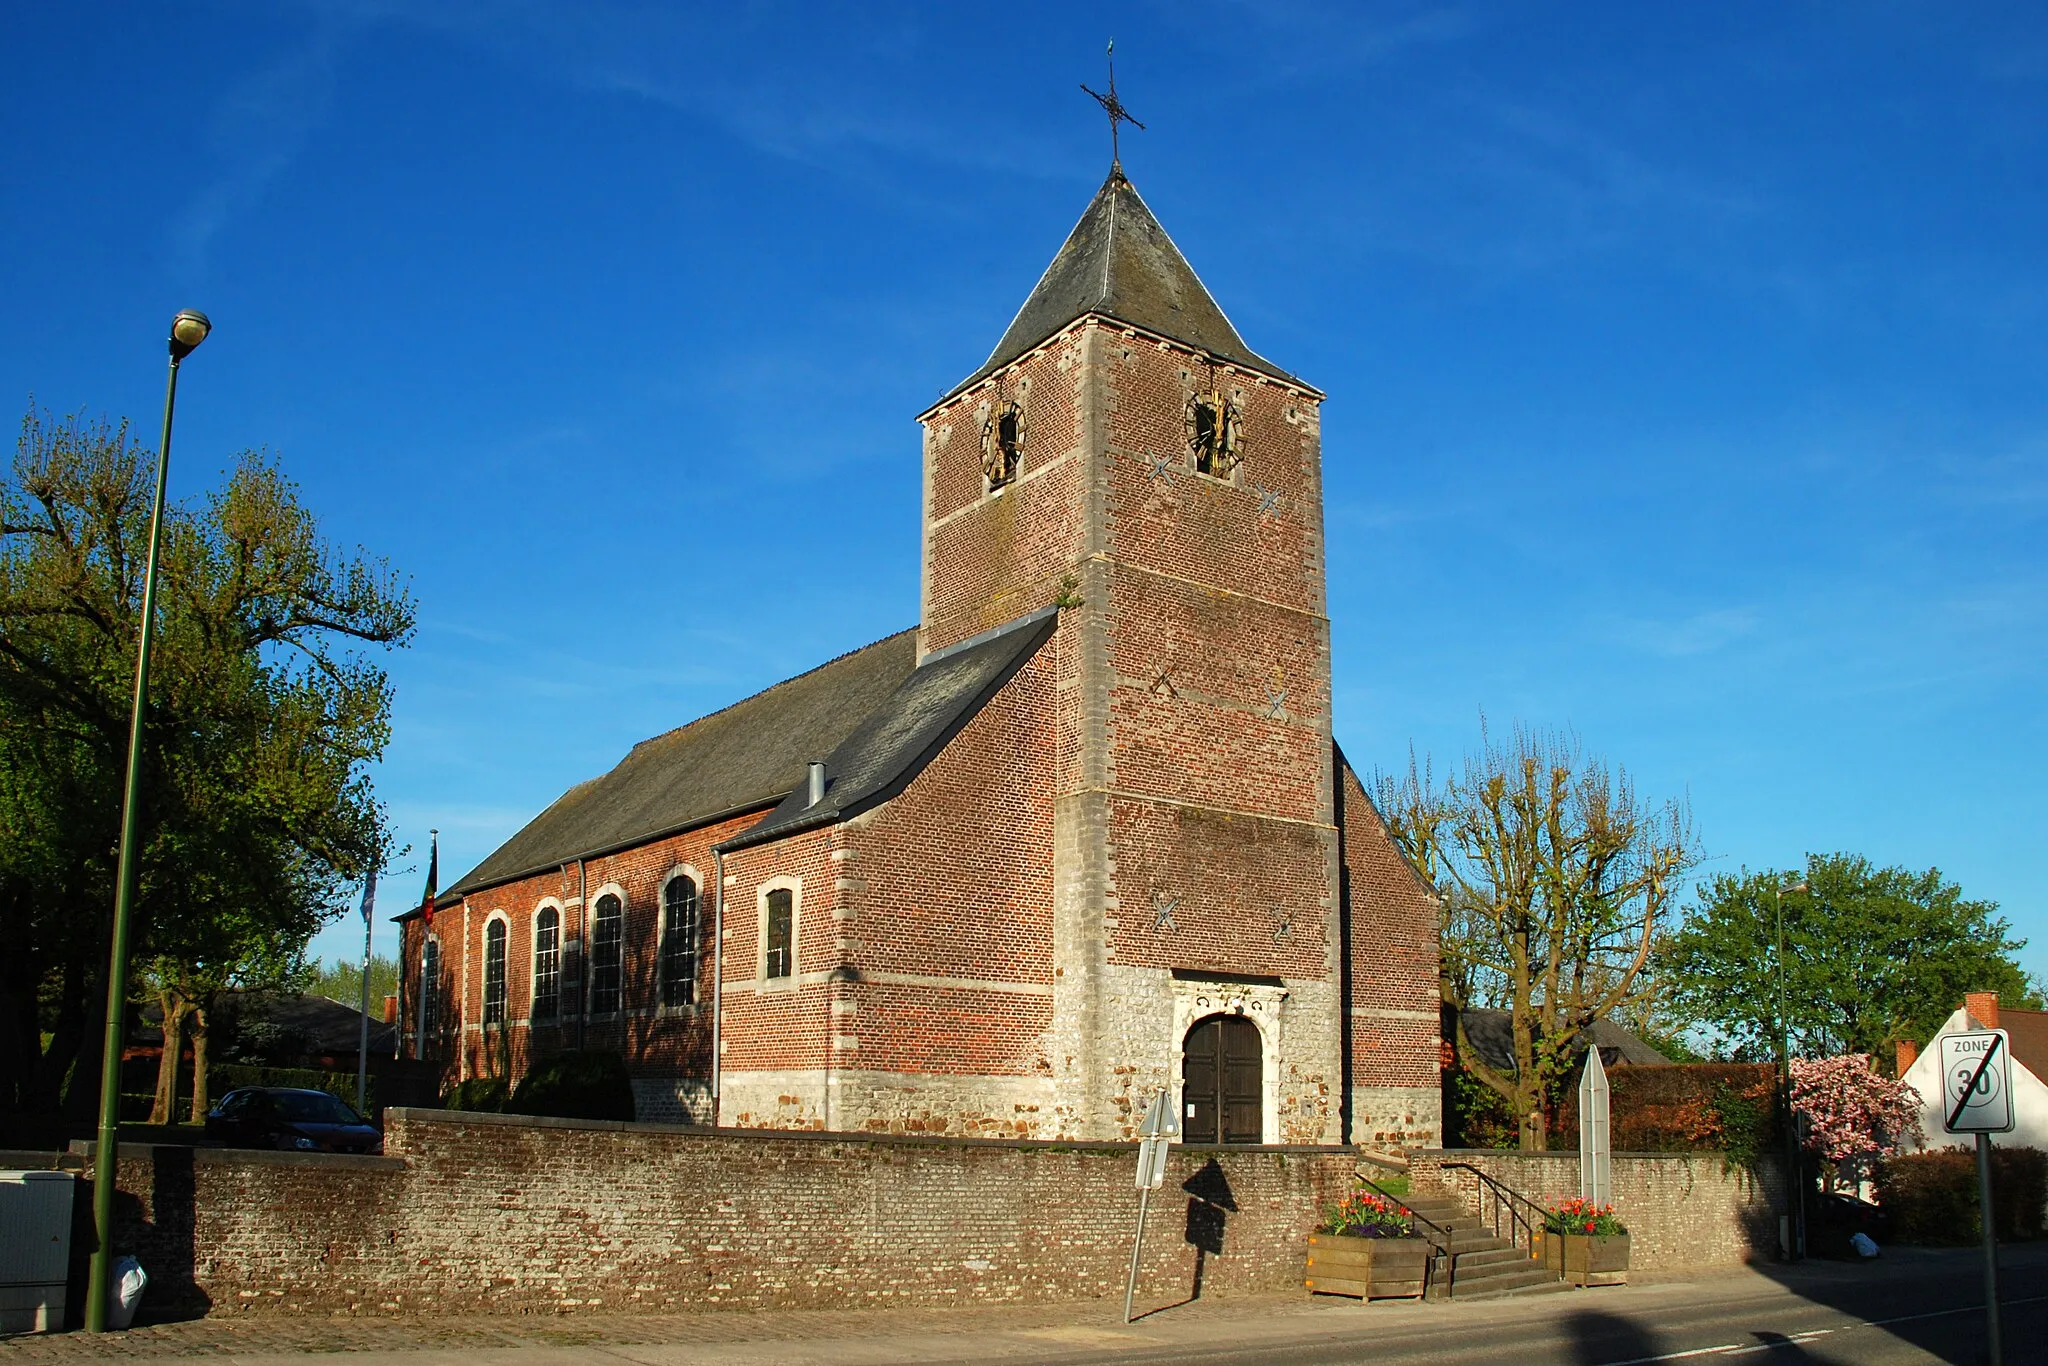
(164, 1240)
(1210, 1205)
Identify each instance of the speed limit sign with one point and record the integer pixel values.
(1976, 1082)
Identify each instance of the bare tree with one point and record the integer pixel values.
(1555, 880)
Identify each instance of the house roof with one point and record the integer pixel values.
(742, 758)
(2027, 1033)
(321, 1025)
(1493, 1038)
(892, 746)
(1119, 263)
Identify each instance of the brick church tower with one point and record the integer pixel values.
(1125, 455)
(1081, 835)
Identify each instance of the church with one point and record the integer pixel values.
(1080, 834)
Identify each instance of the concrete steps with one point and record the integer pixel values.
(1487, 1267)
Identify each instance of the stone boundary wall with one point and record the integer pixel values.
(1682, 1210)
(512, 1214)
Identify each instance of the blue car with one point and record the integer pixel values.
(292, 1121)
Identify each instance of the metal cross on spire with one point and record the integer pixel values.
(1113, 107)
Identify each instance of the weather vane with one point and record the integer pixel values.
(1113, 107)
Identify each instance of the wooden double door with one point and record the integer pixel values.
(1222, 1082)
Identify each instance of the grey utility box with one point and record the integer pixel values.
(35, 1249)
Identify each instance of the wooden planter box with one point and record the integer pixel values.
(1369, 1268)
(1584, 1259)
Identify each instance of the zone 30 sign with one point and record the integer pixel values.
(1976, 1082)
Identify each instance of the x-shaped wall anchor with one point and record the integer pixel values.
(1285, 928)
(1162, 467)
(1276, 703)
(1163, 685)
(1269, 501)
(1162, 911)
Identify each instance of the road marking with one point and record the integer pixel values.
(1743, 1349)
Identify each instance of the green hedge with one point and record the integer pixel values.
(486, 1094)
(1932, 1196)
(576, 1086)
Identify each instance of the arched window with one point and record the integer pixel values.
(679, 942)
(780, 936)
(1002, 444)
(494, 973)
(547, 964)
(430, 991)
(607, 936)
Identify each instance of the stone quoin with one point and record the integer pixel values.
(1082, 833)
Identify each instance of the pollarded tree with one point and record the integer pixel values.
(1555, 881)
(1872, 956)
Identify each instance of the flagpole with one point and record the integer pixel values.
(363, 1042)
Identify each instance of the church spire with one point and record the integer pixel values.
(1119, 263)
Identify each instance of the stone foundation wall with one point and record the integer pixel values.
(499, 1213)
(1682, 1210)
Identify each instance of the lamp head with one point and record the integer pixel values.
(188, 329)
(1793, 888)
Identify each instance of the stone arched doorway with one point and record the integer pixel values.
(1222, 1082)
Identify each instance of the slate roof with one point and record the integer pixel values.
(744, 757)
(1120, 263)
(1492, 1036)
(893, 745)
(2028, 1032)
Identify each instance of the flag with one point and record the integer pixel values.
(433, 875)
(369, 896)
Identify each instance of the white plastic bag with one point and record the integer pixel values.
(1864, 1247)
(125, 1293)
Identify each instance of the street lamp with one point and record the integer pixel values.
(188, 329)
(1795, 1240)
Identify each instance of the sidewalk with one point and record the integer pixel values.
(1036, 1332)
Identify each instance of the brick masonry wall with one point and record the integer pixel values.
(487, 1213)
(1390, 994)
(1682, 1210)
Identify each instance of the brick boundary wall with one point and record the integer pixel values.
(510, 1214)
(1682, 1210)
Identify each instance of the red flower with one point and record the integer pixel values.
(1589, 1226)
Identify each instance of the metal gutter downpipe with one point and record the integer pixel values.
(717, 978)
(583, 924)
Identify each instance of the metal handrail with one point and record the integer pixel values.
(1507, 1198)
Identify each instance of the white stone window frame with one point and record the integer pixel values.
(1259, 1002)
(1229, 400)
(504, 974)
(661, 942)
(795, 887)
(541, 908)
(593, 901)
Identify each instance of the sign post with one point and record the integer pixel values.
(1976, 1098)
(1155, 1136)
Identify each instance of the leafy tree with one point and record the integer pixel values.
(263, 716)
(342, 980)
(1872, 955)
(1553, 881)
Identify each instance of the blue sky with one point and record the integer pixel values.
(1685, 362)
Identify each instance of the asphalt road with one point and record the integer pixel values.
(1921, 1310)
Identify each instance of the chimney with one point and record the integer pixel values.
(1983, 1007)
(817, 791)
(1908, 1051)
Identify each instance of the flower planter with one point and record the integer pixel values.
(1587, 1259)
(1367, 1268)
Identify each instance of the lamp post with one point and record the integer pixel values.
(188, 329)
(1795, 1239)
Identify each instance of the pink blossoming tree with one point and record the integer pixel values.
(1853, 1113)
